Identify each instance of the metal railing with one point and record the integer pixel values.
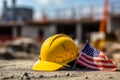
(115, 7)
(81, 12)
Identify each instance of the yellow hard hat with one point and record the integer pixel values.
(56, 51)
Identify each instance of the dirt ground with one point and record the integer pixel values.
(19, 65)
(21, 70)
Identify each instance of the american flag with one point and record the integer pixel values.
(92, 58)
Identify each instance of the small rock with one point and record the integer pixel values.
(55, 76)
(50, 76)
(25, 77)
(110, 77)
(41, 76)
(86, 77)
(12, 76)
(6, 78)
(67, 74)
(33, 77)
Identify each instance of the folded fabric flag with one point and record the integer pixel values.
(92, 58)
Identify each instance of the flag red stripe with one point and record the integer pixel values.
(101, 55)
(95, 68)
(95, 59)
(86, 65)
(98, 64)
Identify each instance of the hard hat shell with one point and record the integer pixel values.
(56, 51)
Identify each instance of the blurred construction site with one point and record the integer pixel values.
(20, 34)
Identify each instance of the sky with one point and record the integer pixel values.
(49, 5)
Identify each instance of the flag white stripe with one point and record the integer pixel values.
(96, 63)
(93, 67)
(92, 58)
(97, 58)
(97, 66)
(86, 60)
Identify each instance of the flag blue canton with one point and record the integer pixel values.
(90, 51)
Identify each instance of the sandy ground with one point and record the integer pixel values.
(21, 70)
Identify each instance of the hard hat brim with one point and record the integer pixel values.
(49, 66)
(46, 66)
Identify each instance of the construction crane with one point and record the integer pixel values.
(104, 16)
(100, 41)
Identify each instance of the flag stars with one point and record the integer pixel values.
(92, 58)
(89, 50)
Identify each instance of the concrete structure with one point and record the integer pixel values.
(79, 28)
(41, 31)
(15, 13)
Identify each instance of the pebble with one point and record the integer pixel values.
(67, 74)
(110, 77)
(33, 77)
(55, 76)
(41, 76)
(25, 76)
(50, 76)
(12, 76)
(86, 77)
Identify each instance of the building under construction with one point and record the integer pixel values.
(79, 24)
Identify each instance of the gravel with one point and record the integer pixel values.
(21, 70)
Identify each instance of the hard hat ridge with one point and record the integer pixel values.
(56, 51)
